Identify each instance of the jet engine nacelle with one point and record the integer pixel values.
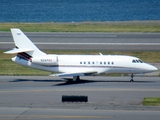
(46, 60)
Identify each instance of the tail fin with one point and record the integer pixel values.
(24, 44)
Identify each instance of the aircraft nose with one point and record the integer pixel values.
(152, 68)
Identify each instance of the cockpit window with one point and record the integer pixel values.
(137, 61)
(133, 61)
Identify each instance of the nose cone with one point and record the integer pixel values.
(151, 68)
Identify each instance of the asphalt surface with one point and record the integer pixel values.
(26, 97)
(39, 97)
(89, 41)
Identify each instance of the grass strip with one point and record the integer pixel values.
(10, 68)
(130, 26)
(151, 101)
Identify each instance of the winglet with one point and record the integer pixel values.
(100, 54)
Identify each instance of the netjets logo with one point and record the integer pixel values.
(18, 33)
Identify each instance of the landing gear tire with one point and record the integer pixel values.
(131, 80)
(76, 78)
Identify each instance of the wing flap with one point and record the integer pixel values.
(87, 73)
(19, 50)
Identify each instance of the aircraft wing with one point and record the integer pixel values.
(87, 73)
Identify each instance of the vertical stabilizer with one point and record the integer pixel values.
(23, 42)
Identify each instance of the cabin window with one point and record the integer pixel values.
(101, 63)
(88, 62)
(92, 62)
(104, 63)
(80, 62)
(108, 63)
(112, 63)
(84, 62)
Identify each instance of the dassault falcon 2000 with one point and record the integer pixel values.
(74, 65)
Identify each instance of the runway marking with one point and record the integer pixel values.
(82, 90)
(53, 116)
(51, 43)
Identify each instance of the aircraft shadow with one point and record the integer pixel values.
(82, 81)
(33, 80)
(71, 82)
(67, 81)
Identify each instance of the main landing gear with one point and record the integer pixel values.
(132, 78)
(76, 78)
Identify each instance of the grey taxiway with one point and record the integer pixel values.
(89, 41)
(39, 97)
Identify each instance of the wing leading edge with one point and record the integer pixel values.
(87, 73)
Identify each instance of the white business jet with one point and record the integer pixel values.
(74, 65)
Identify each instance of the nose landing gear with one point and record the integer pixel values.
(132, 78)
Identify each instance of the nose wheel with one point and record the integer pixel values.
(132, 78)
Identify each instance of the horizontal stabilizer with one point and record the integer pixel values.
(19, 50)
(75, 74)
